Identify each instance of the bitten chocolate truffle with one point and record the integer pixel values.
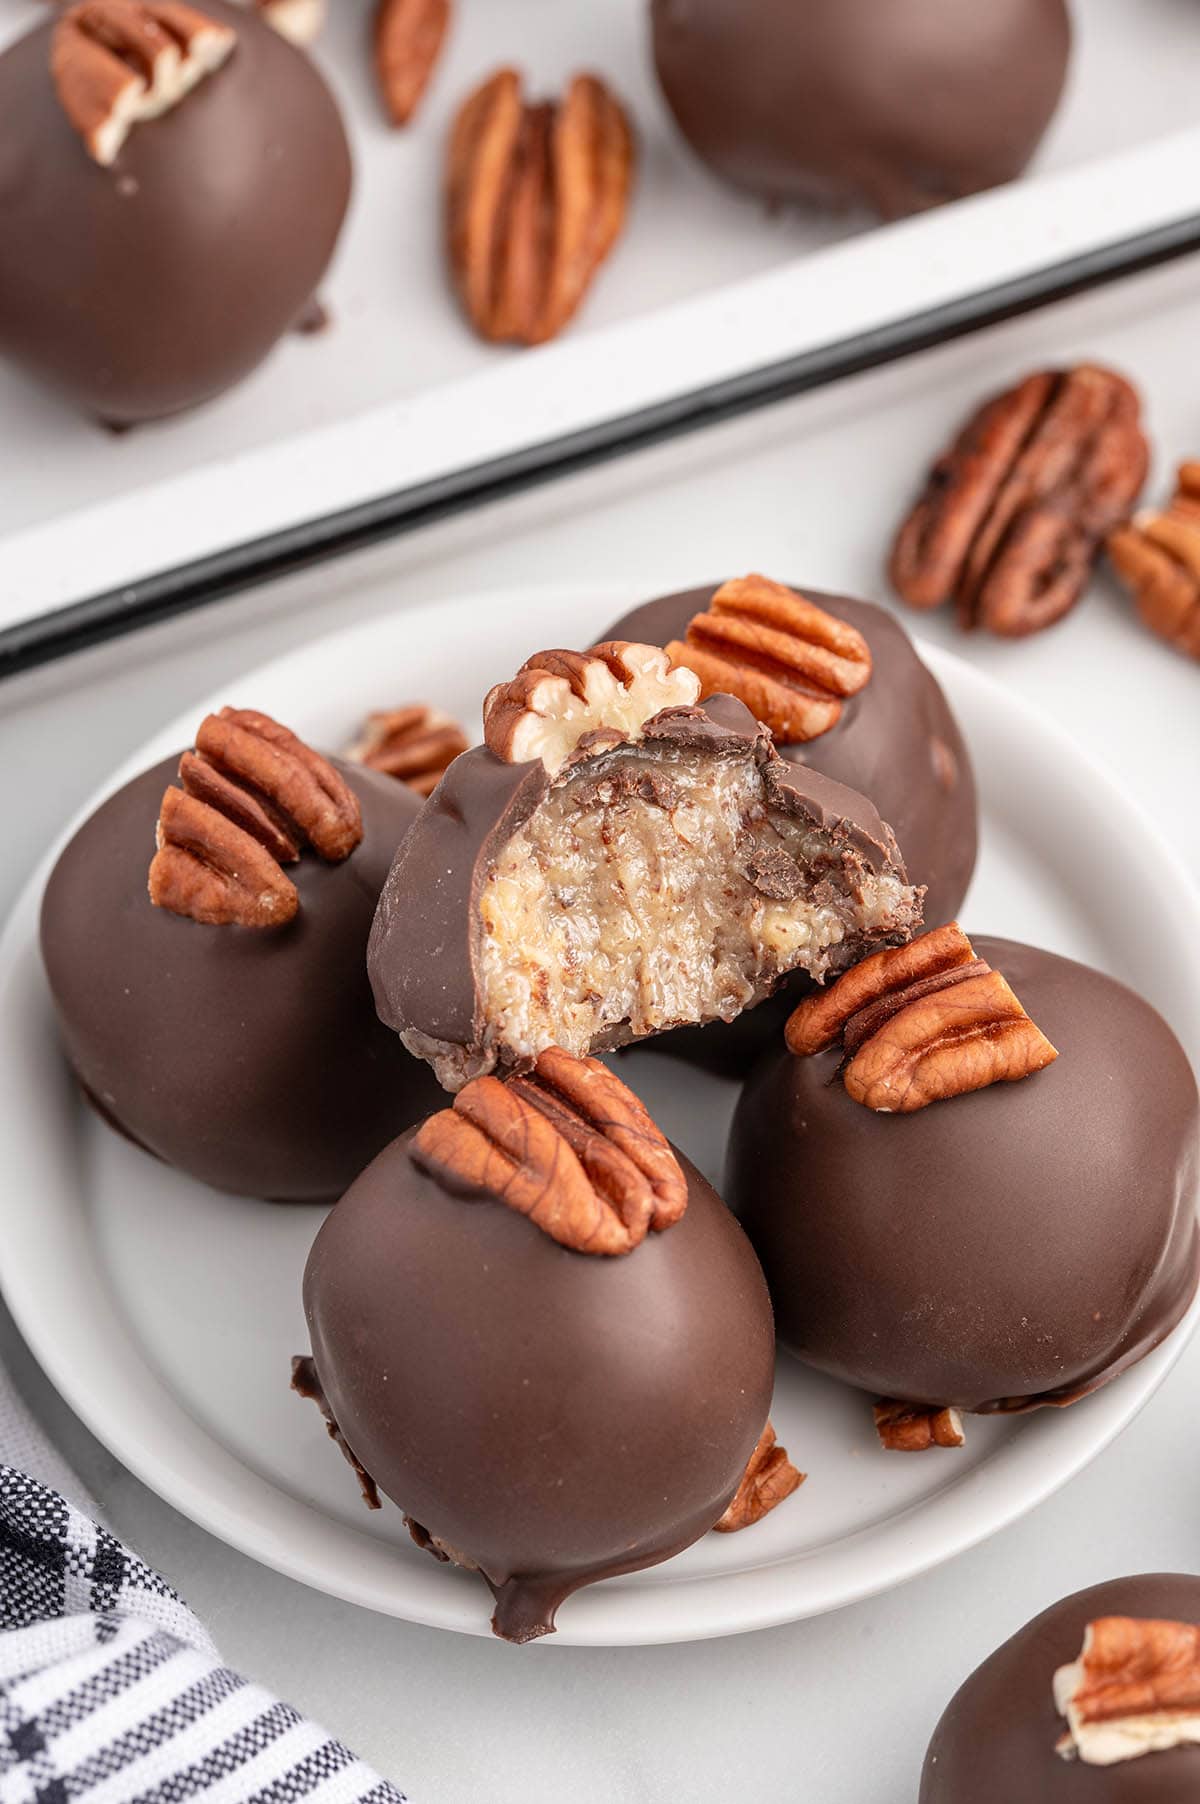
(540, 1332)
(247, 1055)
(842, 102)
(614, 861)
(1096, 1701)
(172, 184)
(990, 1248)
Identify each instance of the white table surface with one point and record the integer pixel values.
(839, 1709)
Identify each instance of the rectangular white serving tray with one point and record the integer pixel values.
(705, 290)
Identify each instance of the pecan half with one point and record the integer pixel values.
(768, 1479)
(1015, 512)
(914, 1428)
(1158, 557)
(567, 1145)
(408, 38)
(253, 795)
(415, 745)
(536, 196)
(115, 63)
(787, 659)
(300, 21)
(921, 1023)
(1135, 1689)
(558, 697)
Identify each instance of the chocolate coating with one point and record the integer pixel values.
(900, 106)
(1016, 1246)
(558, 1417)
(898, 743)
(151, 285)
(995, 1741)
(423, 948)
(251, 1058)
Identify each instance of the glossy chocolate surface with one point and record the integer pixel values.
(899, 106)
(251, 1058)
(557, 1417)
(995, 1742)
(1019, 1245)
(151, 285)
(423, 949)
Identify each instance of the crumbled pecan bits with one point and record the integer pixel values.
(408, 36)
(914, 1428)
(559, 697)
(1014, 513)
(117, 62)
(1158, 557)
(213, 871)
(1135, 1689)
(300, 21)
(414, 744)
(768, 1479)
(536, 196)
(567, 1145)
(920, 1024)
(790, 662)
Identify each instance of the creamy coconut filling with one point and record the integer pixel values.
(649, 891)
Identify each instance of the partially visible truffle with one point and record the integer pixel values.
(1015, 1246)
(151, 284)
(546, 1407)
(250, 1057)
(897, 106)
(1000, 1737)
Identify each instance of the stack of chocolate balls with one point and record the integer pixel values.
(315, 984)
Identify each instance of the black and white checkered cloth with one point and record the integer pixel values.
(111, 1692)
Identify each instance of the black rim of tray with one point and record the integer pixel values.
(179, 590)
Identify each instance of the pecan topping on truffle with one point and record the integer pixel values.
(414, 744)
(921, 1023)
(253, 796)
(1135, 1689)
(768, 1479)
(408, 40)
(565, 1144)
(914, 1428)
(536, 196)
(559, 698)
(1014, 514)
(117, 62)
(787, 659)
(1158, 557)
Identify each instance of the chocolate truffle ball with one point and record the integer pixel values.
(151, 284)
(997, 1740)
(898, 106)
(615, 861)
(249, 1057)
(1018, 1245)
(547, 1415)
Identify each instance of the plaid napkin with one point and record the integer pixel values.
(111, 1692)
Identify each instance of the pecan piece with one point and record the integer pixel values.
(768, 1479)
(408, 38)
(915, 1427)
(1135, 1689)
(416, 745)
(115, 63)
(252, 796)
(558, 698)
(921, 1023)
(536, 196)
(1015, 512)
(790, 662)
(565, 1144)
(1158, 557)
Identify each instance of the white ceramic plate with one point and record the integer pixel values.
(167, 1314)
